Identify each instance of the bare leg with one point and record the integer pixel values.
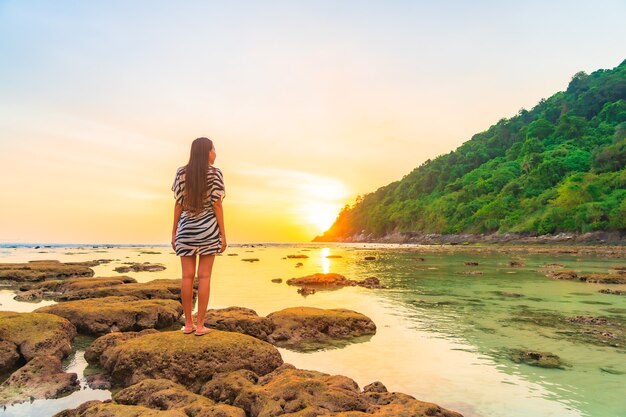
(188, 264)
(205, 268)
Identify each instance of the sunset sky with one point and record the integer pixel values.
(309, 103)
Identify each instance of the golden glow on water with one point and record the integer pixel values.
(325, 261)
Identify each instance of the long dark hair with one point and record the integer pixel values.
(195, 174)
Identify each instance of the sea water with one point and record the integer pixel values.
(442, 334)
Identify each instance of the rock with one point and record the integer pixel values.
(370, 258)
(333, 256)
(32, 296)
(299, 256)
(42, 377)
(516, 264)
(97, 316)
(376, 386)
(563, 274)
(541, 359)
(553, 265)
(140, 267)
(164, 289)
(9, 356)
(250, 260)
(290, 391)
(311, 328)
(232, 254)
(614, 292)
(595, 321)
(78, 411)
(163, 394)
(508, 294)
(110, 409)
(330, 281)
(294, 392)
(605, 278)
(371, 282)
(98, 381)
(304, 291)
(94, 351)
(53, 288)
(299, 265)
(321, 280)
(42, 270)
(225, 387)
(277, 280)
(472, 273)
(187, 360)
(241, 320)
(32, 335)
(471, 263)
(395, 404)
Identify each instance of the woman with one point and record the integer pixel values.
(198, 232)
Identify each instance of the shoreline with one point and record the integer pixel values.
(465, 239)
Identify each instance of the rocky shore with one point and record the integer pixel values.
(592, 238)
(235, 370)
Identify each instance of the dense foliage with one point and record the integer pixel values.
(557, 167)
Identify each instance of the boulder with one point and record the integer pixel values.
(396, 404)
(321, 280)
(241, 320)
(42, 377)
(29, 335)
(277, 280)
(164, 289)
(288, 391)
(605, 278)
(187, 360)
(97, 316)
(299, 256)
(565, 274)
(312, 328)
(370, 258)
(163, 394)
(31, 296)
(331, 281)
(614, 292)
(109, 409)
(140, 267)
(516, 264)
(294, 392)
(533, 358)
(41, 270)
(93, 352)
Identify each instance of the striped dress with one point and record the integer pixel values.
(199, 234)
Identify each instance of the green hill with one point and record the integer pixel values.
(559, 167)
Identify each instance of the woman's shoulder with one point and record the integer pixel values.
(214, 170)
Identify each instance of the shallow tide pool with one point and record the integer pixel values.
(443, 335)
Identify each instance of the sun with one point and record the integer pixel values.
(322, 215)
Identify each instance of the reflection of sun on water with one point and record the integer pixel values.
(325, 260)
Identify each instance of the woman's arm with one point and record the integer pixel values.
(219, 215)
(178, 209)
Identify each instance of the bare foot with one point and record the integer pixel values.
(200, 331)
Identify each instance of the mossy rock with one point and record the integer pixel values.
(41, 270)
(29, 335)
(164, 289)
(97, 316)
(321, 280)
(98, 346)
(301, 393)
(534, 358)
(241, 320)
(42, 377)
(306, 328)
(186, 359)
(164, 394)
